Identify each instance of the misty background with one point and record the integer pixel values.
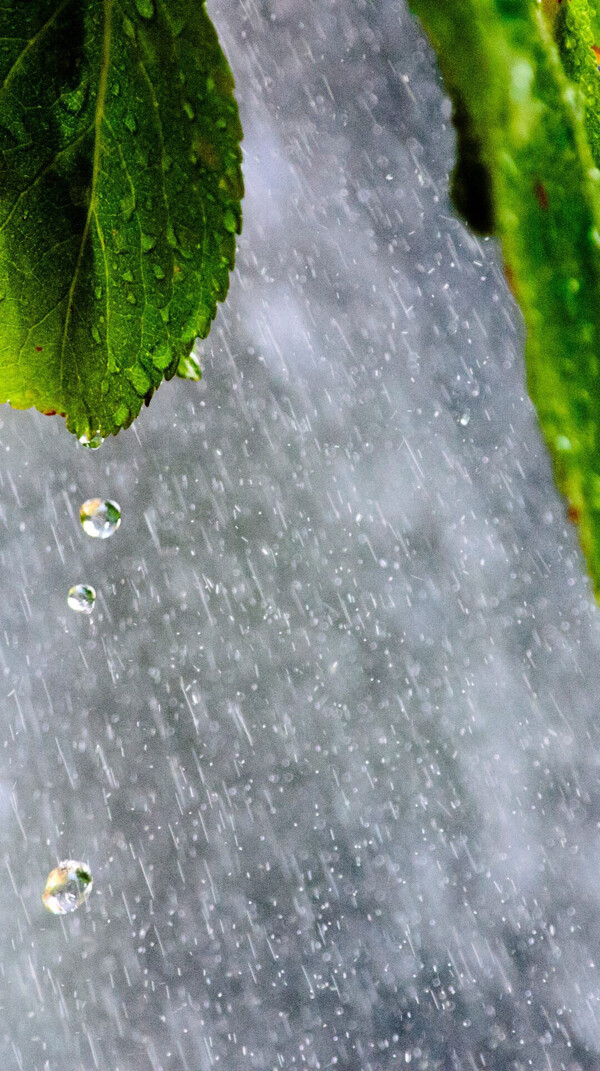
(330, 740)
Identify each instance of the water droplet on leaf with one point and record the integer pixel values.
(128, 207)
(68, 887)
(189, 368)
(81, 598)
(139, 380)
(100, 517)
(230, 221)
(120, 417)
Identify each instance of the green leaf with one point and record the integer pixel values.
(527, 127)
(120, 190)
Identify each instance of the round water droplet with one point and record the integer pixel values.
(100, 517)
(68, 887)
(465, 418)
(93, 442)
(81, 598)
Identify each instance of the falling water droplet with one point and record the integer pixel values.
(93, 442)
(465, 418)
(81, 598)
(68, 887)
(100, 517)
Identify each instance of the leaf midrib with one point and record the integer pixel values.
(99, 115)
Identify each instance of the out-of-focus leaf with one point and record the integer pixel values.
(529, 171)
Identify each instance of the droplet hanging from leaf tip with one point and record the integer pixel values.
(91, 441)
(189, 368)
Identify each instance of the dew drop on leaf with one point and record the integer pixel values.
(81, 598)
(99, 517)
(68, 887)
(145, 8)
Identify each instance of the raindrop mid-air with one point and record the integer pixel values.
(100, 518)
(81, 598)
(68, 887)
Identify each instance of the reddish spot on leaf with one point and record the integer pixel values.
(541, 195)
(39, 348)
(510, 278)
(573, 513)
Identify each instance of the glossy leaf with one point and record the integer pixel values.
(527, 123)
(120, 189)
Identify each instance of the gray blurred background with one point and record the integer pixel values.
(330, 740)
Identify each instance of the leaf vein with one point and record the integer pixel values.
(32, 43)
(95, 170)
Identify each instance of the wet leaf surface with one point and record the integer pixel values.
(120, 190)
